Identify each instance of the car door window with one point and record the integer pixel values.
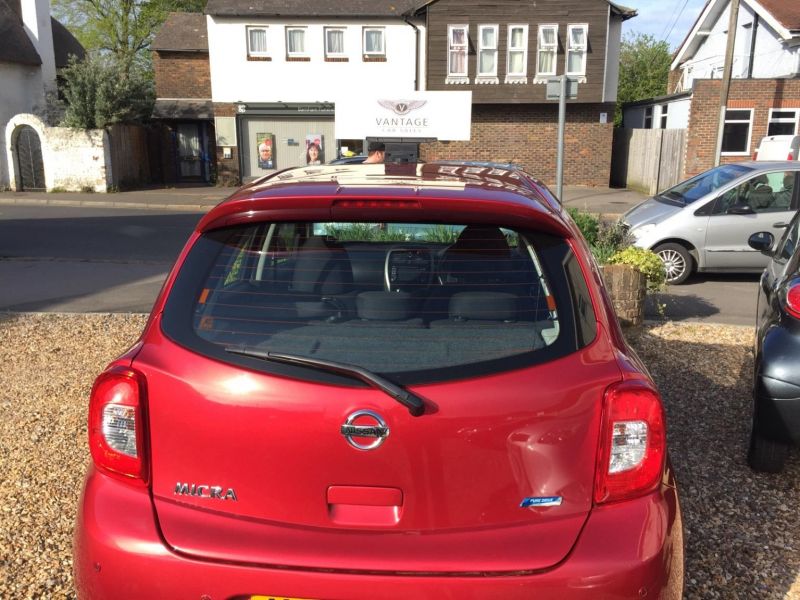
(788, 243)
(766, 192)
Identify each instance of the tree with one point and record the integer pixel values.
(101, 90)
(643, 70)
(123, 28)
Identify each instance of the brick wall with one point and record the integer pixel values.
(527, 135)
(182, 74)
(758, 94)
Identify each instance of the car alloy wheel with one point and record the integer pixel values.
(677, 262)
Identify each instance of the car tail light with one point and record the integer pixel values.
(793, 300)
(790, 156)
(755, 154)
(632, 443)
(116, 424)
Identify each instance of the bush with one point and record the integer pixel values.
(100, 91)
(645, 261)
(587, 223)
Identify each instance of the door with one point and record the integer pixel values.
(29, 160)
(189, 154)
(765, 202)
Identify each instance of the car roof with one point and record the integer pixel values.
(502, 185)
(769, 165)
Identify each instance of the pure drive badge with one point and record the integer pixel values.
(540, 501)
(207, 492)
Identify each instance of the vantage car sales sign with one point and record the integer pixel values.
(438, 115)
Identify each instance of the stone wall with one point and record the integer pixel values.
(627, 288)
(74, 159)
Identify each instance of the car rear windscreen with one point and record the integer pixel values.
(419, 302)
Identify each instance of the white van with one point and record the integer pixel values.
(778, 147)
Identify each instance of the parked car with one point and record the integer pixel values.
(323, 405)
(703, 224)
(776, 396)
(349, 160)
(778, 147)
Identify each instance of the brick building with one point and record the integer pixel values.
(764, 97)
(272, 72)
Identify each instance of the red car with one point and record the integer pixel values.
(380, 382)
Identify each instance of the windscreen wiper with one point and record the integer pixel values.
(415, 404)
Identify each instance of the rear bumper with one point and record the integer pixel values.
(777, 409)
(625, 550)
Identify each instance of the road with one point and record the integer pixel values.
(88, 259)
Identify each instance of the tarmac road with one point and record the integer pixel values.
(90, 259)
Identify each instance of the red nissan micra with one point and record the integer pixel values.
(380, 381)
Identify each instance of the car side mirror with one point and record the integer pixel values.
(740, 209)
(762, 241)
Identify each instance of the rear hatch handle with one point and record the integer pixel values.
(415, 404)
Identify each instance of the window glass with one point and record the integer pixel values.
(296, 41)
(373, 41)
(782, 122)
(704, 184)
(664, 115)
(576, 53)
(788, 243)
(736, 135)
(648, 117)
(397, 299)
(334, 41)
(457, 60)
(487, 61)
(257, 40)
(517, 49)
(548, 47)
(768, 192)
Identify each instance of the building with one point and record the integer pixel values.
(277, 69)
(764, 97)
(33, 46)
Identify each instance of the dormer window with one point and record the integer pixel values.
(296, 43)
(457, 44)
(547, 51)
(517, 63)
(576, 50)
(257, 42)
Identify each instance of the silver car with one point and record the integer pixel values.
(703, 223)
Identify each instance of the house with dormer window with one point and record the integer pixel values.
(276, 70)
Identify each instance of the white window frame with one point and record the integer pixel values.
(663, 116)
(581, 48)
(248, 29)
(543, 75)
(648, 115)
(796, 119)
(329, 54)
(749, 121)
(489, 77)
(523, 76)
(304, 53)
(364, 42)
(458, 77)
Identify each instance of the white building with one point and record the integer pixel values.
(281, 69)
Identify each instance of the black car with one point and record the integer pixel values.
(776, 411)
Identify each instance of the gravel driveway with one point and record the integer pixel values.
(742, 529)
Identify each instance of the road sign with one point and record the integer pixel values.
(554, 88)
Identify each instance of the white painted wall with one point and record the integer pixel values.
(234, 78)
(771, 58)
(21, 91)
(74, 159)
(677, 114)
(36, 20)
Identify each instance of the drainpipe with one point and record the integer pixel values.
(416, 45)
(753, 34)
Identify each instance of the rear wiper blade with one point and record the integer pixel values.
(415, 404)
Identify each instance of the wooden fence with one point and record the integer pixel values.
(130, 158)
(648, 160)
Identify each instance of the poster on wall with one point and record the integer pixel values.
(266, 150)
(314, 154)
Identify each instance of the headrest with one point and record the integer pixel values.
(481, 238)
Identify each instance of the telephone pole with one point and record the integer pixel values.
(726, 77)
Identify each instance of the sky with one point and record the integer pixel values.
(657, 17)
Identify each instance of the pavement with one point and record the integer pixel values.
(608, 202)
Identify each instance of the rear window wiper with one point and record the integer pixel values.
(415, 404)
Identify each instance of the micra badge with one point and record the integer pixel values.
(540, 501)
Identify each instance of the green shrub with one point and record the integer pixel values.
(646, 262)
(587, 223)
